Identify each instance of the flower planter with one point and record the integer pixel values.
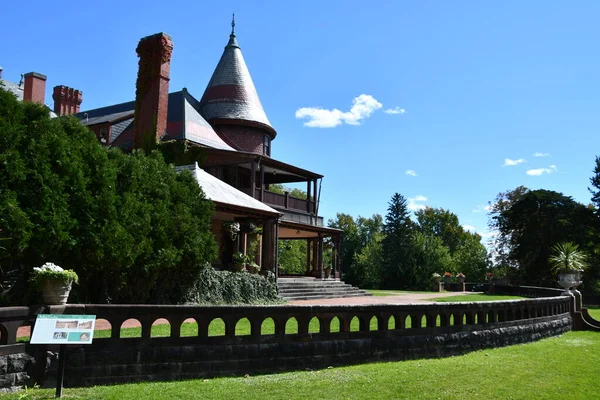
(327, 273)
(238, 267)
(56, 292)
(568, 280)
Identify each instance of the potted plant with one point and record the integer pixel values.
(460, 277)
(239, 261)
(436, 277)
(54, 282)
(232, 228)
(253, 267)
(569, 262)
(327, 272)
(447, 277)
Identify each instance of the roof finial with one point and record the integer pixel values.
(233, 24)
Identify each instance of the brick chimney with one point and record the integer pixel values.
(152, 89)
(66, 100)
(35, 88)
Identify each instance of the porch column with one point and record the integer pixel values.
(253, 180)
(320, 258)
(308, 258)
(262, 183)
(315, 266)
(314, 210)
(269, 245)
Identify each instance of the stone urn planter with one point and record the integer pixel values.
(568, 280)
(327, 273)
(54, 282)
(56, 292)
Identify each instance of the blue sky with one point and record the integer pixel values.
(473, 84)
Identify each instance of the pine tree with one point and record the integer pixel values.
(398, 256)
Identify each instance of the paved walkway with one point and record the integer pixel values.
(401, 298)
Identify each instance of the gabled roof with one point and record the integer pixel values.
(224, 194)
(183, 122)
(14, 88)
(230, 94)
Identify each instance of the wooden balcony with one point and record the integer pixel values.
(284, 201)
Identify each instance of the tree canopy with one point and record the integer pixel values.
(131, 227)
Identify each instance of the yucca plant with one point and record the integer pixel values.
(567, 258)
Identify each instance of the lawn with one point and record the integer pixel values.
(594, 312)
(548, 369)
(377, 292)
(474, 297)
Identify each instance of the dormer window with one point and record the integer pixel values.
(266, 146)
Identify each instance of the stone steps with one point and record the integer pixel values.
(304, 288)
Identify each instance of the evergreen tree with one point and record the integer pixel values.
(131, 227)
(399, 268)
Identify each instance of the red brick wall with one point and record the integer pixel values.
(34, 90)
(243, 137)
(152, 88)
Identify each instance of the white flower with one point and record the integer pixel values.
(49, 267)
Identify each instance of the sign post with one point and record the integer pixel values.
(63, 330)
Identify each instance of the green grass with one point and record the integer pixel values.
(378, 292)
(548, 369)
(474, 297)
(594, 312)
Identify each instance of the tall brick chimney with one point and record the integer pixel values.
(152, 89)
(66, 100)
(34, 90)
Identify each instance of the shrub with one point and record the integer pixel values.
(224, 287)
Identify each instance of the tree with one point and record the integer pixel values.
(531, 224)
(366, 265)
(399, 266)
(467, 253)
(431, 255)
(501, 242)
(350, 243)
(131, 227)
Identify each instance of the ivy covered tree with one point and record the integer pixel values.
(131, 227)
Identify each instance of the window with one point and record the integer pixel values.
(266, 144)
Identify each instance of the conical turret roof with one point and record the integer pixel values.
(230, 94)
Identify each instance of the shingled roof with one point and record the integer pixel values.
(183, 122)
(230, 94)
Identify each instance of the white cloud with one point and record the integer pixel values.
(410, 172)
(362, 107)
(538, 154)
(395, 110)
(482, 208)
(469, 228)
(509, 163)
(414, 203)
(541, 171)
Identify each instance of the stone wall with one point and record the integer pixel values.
(381, 332)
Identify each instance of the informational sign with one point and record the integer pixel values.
(63, 329)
